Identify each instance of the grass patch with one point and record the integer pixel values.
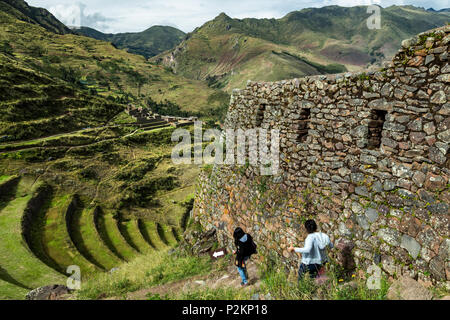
(4, 178)
(143, 272)
(132, 234)
(10, 291)
(110, 233)
(151, 230)
(85, 234)
(56, 238)
(15, 258)
(212, 294)
(276, 281)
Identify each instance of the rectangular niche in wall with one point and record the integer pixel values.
(303, 125)
(260, 115)
(376, 123)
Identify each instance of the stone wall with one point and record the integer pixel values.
(372, 167)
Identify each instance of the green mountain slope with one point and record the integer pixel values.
(148, 43)
(74, 167)
(100, 69)
(227, 51)
(22, 11)
(92, 33)
(35, 105)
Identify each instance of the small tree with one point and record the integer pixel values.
(70, 75)
(36, 50)
(138, 79)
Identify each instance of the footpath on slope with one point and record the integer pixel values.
(228, 278)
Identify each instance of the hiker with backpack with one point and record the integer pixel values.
(314, 253)
(245, 247)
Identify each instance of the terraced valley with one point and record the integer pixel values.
(83, 181)
(94, 198)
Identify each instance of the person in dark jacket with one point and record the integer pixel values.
(245, 248)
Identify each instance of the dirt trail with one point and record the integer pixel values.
(219, 279)
(104, 126)
(21, 147)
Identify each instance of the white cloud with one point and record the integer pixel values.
(137, 15)
(70, 15)
(75, 15)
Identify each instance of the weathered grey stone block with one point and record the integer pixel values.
(411, 245)
(362, 221)
(362, 191)
(391, 236)
(371, 214)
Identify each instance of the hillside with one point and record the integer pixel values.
(22, 11)
(95, 198)
(81, 182)
(98, 67)
(148, 43)
(227, 52)
(35, 105)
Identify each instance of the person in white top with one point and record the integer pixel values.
(314, 253)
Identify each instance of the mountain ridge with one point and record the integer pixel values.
(147, 43)
(231, 51)
(98, 70)
(40, 16)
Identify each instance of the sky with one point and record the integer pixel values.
(114, 16)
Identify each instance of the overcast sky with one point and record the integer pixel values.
(137, 15)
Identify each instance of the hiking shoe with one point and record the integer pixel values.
(244, 284)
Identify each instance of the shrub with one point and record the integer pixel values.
(6, 47)
(36, 50)
(276, 281)
(166, 108)
(89, 173)
(137, 171)
(141, 194)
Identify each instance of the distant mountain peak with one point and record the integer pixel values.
(223, 16)
(226, 52)
(443, 10)
(161, 27)
(148, 43)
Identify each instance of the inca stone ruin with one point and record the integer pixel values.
(364, 154)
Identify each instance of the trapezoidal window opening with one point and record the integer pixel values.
(376, 123)
(260, 115)
(303, 125)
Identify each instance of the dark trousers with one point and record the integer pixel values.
(312, 269)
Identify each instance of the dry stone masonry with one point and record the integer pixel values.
(365, 154)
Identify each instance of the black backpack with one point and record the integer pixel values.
(248, 250)
(252, 246)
